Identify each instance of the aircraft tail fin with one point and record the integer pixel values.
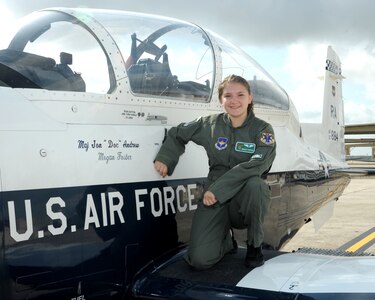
(329, 135)
(333, 107)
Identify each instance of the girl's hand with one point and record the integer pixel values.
(209, 198)
(161, 168)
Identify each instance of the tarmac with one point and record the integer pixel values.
(352, 225)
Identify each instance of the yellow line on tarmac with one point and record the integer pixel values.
(361, 243)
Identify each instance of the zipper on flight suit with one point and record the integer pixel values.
(231, 154)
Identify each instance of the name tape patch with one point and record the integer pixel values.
(245, 147)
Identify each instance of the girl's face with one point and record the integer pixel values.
(235, 100)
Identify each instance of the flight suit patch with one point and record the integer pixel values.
(257, 156)
(221, 143)
(245, 147)
(267, 138)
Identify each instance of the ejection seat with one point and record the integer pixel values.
(148, 76)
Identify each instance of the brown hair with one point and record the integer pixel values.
(236, 79)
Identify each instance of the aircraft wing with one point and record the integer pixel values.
(307, 274)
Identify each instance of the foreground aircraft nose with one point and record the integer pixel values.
(300, 275)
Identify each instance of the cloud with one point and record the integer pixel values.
(356, 113)
(6, 17)
(249, 21)
(305, 63)
(359, 64)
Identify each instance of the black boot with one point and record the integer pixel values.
(235, 246)
(254, 257)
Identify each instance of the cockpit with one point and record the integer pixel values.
(150, 72)
(90, 51)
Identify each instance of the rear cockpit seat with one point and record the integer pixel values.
(151, 77)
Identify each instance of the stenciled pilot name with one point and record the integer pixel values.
(106, 144)
(109, 145)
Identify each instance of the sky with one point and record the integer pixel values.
(289, 38)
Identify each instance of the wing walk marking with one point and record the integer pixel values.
(361, 242)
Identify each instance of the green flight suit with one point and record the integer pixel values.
(238, 157)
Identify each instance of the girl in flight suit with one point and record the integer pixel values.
(240, 148)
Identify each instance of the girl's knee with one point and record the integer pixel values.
(254, 183)
(257, 185)
(200, 260)
(258, 191)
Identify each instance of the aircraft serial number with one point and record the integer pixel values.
(106, 212)
(332, 67)
(333, 135)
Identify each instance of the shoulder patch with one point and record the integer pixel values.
(267, 138)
